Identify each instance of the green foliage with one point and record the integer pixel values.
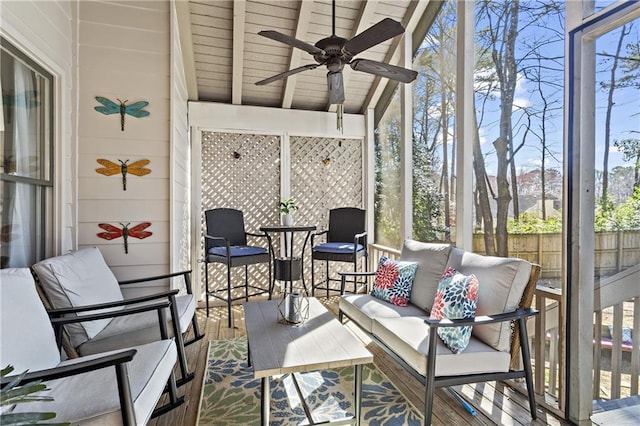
(288, 206)
(11, 394)
(624, 216)
(530, 223)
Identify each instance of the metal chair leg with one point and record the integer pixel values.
(206, 285)
(229, 296)
(246, 283)
(327, 282)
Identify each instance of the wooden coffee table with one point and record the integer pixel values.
(320, 343)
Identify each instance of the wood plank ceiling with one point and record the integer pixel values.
(226, 56)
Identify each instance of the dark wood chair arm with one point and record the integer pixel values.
(185, 274)
(85, 308)
(57, 321)
(361, 235)
(263, 235)
(357, 274)
(485, 319)
(344, 275)
(75, 368)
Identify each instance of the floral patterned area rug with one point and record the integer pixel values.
(231, 396)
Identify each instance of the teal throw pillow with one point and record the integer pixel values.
(456, 298)
(394, 280)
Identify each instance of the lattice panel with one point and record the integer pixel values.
(326, 173)
(250, 183)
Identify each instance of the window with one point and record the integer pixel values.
(387, 205)
(433, 130)
(26, 157)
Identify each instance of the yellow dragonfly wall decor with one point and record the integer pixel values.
(110, 168)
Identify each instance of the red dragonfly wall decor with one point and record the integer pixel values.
(114, 232)
(110, 168)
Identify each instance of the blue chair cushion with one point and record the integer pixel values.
(341, 248)
(237, 251)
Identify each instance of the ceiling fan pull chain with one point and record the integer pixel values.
(340, 114)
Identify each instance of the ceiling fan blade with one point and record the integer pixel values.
(391, 72)
(382, 31)
(282, 38)
(336, 87)
(286, 74)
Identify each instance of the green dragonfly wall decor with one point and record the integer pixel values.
(109, 107)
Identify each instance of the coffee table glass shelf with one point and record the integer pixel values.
(319, 343)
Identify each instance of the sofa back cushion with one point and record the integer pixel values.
(432, 261)
(76, 279)
(27, 341)
(502, 282)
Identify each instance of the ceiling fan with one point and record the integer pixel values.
(335, 52)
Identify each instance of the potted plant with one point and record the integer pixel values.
(11, 394)
(287, 207)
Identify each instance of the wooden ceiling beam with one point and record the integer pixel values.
(363, 22)
(183, 18)
(411, 19)
(239, 9)
(304, 17)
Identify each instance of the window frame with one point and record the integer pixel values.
(44, 185)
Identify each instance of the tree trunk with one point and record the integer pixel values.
(607, 124)
(484, 207)
(507, 75)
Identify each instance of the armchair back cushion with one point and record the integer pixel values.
(77, 279)
(502, 282)
(27, 339)
(432, 261)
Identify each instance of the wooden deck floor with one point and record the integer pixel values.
(495, 403)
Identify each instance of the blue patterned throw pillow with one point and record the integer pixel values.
(456, 298)
(394, 280)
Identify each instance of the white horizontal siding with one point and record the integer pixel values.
(125, 54)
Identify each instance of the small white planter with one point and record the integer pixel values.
(287, 219)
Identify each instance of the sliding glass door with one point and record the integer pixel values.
(603, 244)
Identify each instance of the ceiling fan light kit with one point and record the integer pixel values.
(335, 52)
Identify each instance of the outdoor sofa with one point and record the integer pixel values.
(505, 288)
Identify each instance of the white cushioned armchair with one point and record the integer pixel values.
(117, 387)
(81, 281)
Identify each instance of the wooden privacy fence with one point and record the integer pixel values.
(614, 251)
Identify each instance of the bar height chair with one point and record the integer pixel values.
(226, 243)
(346, 241)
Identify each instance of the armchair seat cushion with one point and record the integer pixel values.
(92, 398)
(237, 251)
(341, 248)
(131, 330)
(409, 338)
(362, 308)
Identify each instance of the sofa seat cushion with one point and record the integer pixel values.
(76, 279)
(502, 283)
(362, 308)
(137, 329)
(432, 261)
(92, 398)
(409, 338)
